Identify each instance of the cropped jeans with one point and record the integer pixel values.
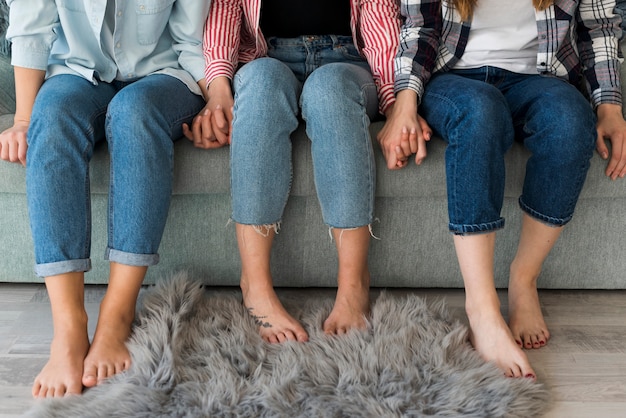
(480, 112)
(332, 85)
(139, 121)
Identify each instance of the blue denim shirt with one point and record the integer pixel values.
(149, 37)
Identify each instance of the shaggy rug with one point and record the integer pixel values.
(197, 354)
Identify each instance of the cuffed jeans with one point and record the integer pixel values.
(330, 82)
(480, 113)
(140, 121)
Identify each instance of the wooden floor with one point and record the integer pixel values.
(584, 364)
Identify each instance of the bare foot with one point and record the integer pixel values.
(62, 373)
(350, 311)
(108, 354)
(492, 339)
(525, 318)
(275, 324)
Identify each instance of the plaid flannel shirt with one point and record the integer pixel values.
(578, 42)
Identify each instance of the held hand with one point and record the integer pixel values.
(211, 128)
(221, 122)
(201, 131)
(405, 133)
(13, 143)
(612, 126)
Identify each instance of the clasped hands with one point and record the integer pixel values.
(211, 128)
(405, 132)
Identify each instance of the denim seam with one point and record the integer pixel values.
(548, 220)
(487, 227)
(87, 153)
(368, 144)
(111, 211)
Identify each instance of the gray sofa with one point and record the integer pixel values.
(413, 249)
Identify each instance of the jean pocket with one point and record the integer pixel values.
(152, 18)
(349, 52)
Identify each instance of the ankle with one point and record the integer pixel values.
(70, 320)
(255, 283)
(483, 308)
(521, 274)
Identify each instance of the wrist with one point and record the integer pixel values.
(20, 120)
(219, 86)
(608, 109)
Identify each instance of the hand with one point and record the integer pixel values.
(612, 126)
(405, 132)
(201, 131)
(211, 128)
(13, 143)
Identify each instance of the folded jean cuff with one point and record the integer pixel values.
(548, 220)
(482, 228)
(131, 259)
(62, 267)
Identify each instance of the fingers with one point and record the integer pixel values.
(601, 147)
(221, 126)
(202, 132)
(421, 153)
(401, 159)
(408, 141)
(617, 164)
(13, 150)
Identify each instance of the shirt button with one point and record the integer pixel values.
(119, 13)
(543, 64)
(142, 7)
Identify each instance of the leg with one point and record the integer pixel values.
(108, 354)
(260, 180)
(475, 173)
(525, 318)
(62, 373)
(61, 141)
(259, 297)
(489, 333)
(353, 279)
(344, 177)
(560, 133)
(143, 120)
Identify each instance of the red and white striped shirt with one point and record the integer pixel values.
(233, 37)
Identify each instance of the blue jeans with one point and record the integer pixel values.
(332, 85)
(480, 113)
(140, 121)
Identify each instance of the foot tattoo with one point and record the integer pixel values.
(258, 320)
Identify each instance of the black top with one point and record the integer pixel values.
(292, 18)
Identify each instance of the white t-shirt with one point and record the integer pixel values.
(503, 34)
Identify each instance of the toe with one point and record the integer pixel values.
(90, 376)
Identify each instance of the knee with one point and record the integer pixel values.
(336, 85)
(484, 124)
(567, 131)
(266, 79)
(136, 122)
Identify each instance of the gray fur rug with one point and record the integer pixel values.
(197, 354)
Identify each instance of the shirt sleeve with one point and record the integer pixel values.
(222, 38)
(598, 30)
(32, 34)
(379, 27)
(419, 44)
(186, 25)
